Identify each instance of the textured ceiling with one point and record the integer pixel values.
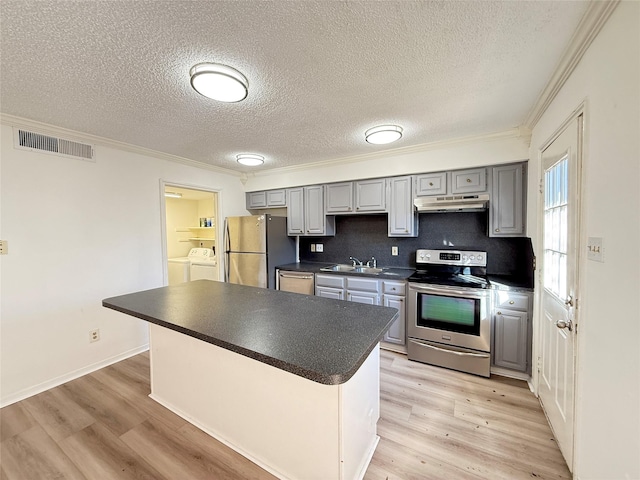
(320, 72)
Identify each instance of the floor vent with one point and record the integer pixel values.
(27, 140)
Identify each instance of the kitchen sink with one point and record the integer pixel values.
(352, 269)
(338, 268)
(367, 270)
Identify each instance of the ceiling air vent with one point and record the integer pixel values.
(27, 140)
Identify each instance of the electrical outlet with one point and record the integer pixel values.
(313, 247)
(394, 251)
(94, 335)
(319, 247)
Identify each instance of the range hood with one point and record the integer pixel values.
(452, 203)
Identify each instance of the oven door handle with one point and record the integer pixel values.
(444, 290)
(462, 354)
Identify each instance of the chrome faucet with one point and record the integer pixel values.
(372, 262)
(355, 261)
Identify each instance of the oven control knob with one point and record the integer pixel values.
(464, 257)
(428, 256)
(479, 257)
(472, 257)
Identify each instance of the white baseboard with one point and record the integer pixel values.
(67, 377)
(505, 372)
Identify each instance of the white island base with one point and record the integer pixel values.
(291, 426)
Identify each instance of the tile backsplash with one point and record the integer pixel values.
(364, 236)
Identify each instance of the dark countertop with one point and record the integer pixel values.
(498, 282)
(389, 273)
(320, 339)
(508, 282)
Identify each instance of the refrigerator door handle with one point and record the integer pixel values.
(227, 246)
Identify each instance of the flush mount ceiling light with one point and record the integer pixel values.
(383, 134)
(219, 82)
(250, 159)
(172, 195)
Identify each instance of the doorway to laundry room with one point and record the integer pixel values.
(191, 229)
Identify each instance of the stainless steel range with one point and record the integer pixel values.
(449, 321)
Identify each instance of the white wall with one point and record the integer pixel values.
(490, 150)
(180, 214)
(80, 232)
(608, 390)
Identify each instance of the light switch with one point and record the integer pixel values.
(4, 247)
(394, 251)
(595, 249)
(313, 247)
(319, 247)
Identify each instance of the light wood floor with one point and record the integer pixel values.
(435, 424)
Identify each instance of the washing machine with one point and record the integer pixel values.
(203, 265)
(200, 263)
(179, 270)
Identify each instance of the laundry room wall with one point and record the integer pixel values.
(181, 214)
(78, 232)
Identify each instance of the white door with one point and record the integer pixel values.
(561, 196)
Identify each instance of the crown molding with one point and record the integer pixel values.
(53, 130)
(521, 133)
(590, 25)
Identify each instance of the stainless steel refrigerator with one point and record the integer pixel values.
(253, 246)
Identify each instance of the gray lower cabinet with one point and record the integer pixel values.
(394, 295)
(305, 212)
(403, 219)
(363, 290)
(512, 331)
(331, 286)
(507, 205)
(328, 292)
(371, 291)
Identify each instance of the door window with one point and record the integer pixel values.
(556, 186)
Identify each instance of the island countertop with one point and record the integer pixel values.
(320, 339)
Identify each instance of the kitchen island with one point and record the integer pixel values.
(289, 381)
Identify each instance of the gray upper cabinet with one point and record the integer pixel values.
(403, 220)
(473, 180)
(306, 214)
(256, 200)
(506, 216)
(340, 197)
(362, 196)
(277, 198)
(266, 199)
(371, 195)
(431, 184)
(314, 215)
(295, 211)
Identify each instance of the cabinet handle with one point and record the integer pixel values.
(431, 184)
(497, 229)
(498, 313)
(349, 208)
(511, 302)
(357, 208)
(406, 231)
(468, 180)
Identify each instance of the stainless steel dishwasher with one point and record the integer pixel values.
(296, 282)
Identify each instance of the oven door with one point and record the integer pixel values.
(450, 315)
